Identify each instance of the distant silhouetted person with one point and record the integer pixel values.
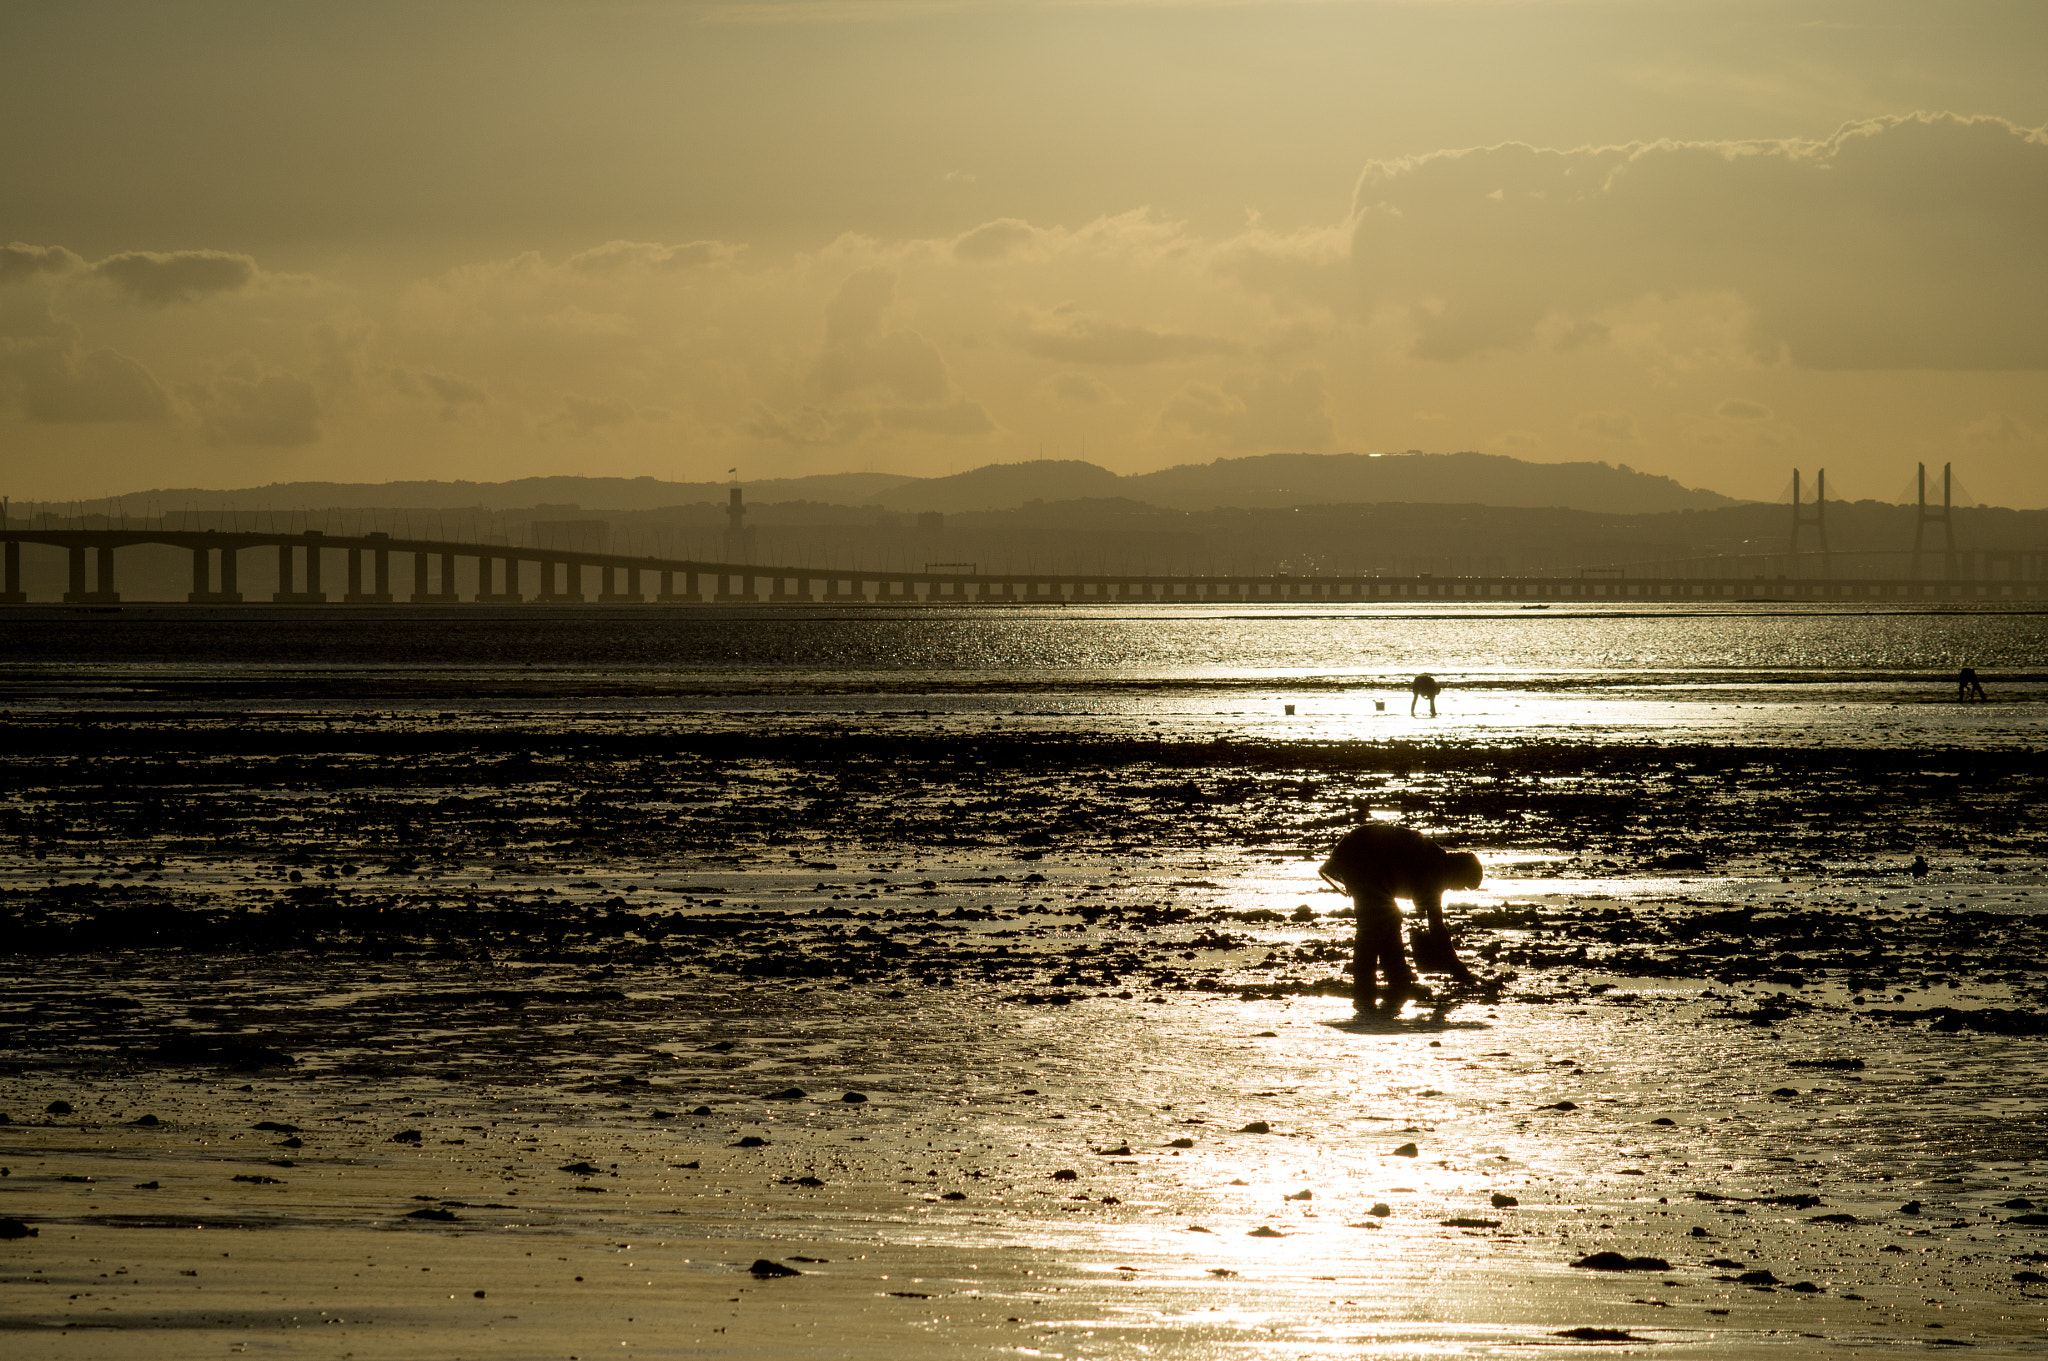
(1421, 688)
(1968, 689)
(1378, 863)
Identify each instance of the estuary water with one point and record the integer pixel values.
(1775, 673)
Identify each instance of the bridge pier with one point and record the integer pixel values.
(102, 591)
(725, 592)
(287, 553)
(855, 592)
(202, 579)
(423, 592)
(668, 594)
(380, 568)
(486, 580)
(571, 592)
(608, 592)
(10, 582)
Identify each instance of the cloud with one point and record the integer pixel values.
(859, 355)
(273, 410)
(53, 383)
(1905, 242)
(809, 426)
(1997, 427)
(615, 256)
(994, 240)
(1738, 409)
(1614, 425)
(1268, 412)
(592, 413)
(20, 261)
(956, 418)
(1080, 389)
(1085, 340)
(160, 278)
(451, 389)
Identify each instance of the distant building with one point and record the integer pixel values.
(572, 536)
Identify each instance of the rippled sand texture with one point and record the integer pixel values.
(389, 1035)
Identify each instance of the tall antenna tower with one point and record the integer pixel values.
(1929, 515)
(1818, 517)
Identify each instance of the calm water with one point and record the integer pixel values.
(1792, 671)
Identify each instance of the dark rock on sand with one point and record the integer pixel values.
(436, 1214)
(581, 1169)
(764, 1269)
(854, 1098)
(1257, 1127)
(57, 1108)
(14, 1228)
(1614, 1261)
(1502, 1202)
(1407, 1151)
(751, 1141)
(1763, 1277)
(1597, 1335)
(406, 1136)
(787, 1094)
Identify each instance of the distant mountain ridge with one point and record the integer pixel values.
(1263, 481)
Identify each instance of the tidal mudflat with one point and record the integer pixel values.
(399, 1033)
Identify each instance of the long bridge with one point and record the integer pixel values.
(559, 576)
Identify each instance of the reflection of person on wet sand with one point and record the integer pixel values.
(1378, 863)
(1968, 689)
(1421, 688)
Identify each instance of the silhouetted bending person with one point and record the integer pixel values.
(1378, 863)
(1421, 688)
(1968, 688)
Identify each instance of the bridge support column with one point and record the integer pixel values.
(287, 592)
(487, 589)
(102, 590)
(668, 593)
(202, 579)
(608, 586)
(423, 586)
(380, 585)
(11, 593)
(570, 591)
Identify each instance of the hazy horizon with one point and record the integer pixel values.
(1713, 240)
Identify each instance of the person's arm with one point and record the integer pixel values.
(1432, 905)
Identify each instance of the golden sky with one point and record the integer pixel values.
(1715, 239)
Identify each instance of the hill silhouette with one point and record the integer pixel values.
(1259, 482)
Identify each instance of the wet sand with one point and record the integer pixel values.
(568, 1012)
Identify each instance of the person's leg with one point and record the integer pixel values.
(1378, 949)
(1368, 950)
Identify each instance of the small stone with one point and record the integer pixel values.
(1784, 1091)
(1407, 1151)
(1763, 1277)
(1502, 1202)
(953, 1195)
(1257, 1127)
(1560, 1106)
(146, 1121)
(57, 1108)
(701, 1110)
(581, 1169)
(2030, 1278)
(1264, 1231)
(787, 1094)
(1597, 1335)
(1181, 1143)
(854, 1098)
(1698, 1232)
(765, 1269)
(436, 1214)
(1380, 1210)
(751, 1141)
(11, 1227)
(1066, 1174)
(406, 1136)
(1303, 1194)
